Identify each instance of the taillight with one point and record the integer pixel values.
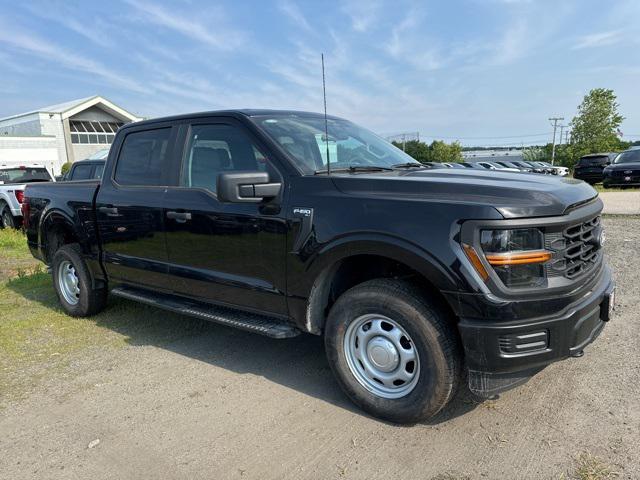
(19, 195)
(26, 210)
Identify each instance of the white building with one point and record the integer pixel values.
(61, 133)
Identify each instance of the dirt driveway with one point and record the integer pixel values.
(212, 402)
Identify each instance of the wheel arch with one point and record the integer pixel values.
(356, 260)
(56, 229)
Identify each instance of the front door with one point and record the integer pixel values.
(129, 208)
(225, 253)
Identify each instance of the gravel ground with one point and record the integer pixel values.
(221, 403)
(621, 203)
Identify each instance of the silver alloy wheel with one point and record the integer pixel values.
(382, 356)
(69, 282)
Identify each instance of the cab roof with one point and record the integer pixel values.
(243, 112)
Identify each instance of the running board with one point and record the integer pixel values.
(251, 322)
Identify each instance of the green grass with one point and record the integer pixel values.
(15, 258)
(38, 341)
(601, 189)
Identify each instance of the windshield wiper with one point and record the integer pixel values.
(356, 168)
(409, 165)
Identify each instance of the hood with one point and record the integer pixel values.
(514, 195)
(624, 166)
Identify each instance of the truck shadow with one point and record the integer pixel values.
(298, 363)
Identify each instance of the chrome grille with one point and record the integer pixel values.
(576, 249)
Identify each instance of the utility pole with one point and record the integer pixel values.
(553, 148)
(404, 141)
(561, 130)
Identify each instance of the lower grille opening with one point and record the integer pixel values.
(524, 342)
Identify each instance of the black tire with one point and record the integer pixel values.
(90, 300)
(6, 218)
(432, 335)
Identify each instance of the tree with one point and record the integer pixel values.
(445, 152)
(437, 151)
(595, 127)
(416, 149)
(533, 154)
(65, 167)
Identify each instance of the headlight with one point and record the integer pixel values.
(517, 256)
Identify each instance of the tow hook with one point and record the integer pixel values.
(578, 354)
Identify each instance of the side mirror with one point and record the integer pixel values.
(243, 187)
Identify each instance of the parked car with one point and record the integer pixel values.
(12, 183)
(497, 166)
(558, 169)
(544, 166)
(520, 168)
(453, 165)
(258, 220)
(624, 171)
(590, 168)
(84, 170)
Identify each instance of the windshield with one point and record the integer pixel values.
(348, 145)
(24, 175)
(593, 161)
(630, 156)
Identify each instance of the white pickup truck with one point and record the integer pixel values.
(13, 180)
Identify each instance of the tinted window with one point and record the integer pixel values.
(81, 172)
(215, 149)
(98, 171)
(593, 161)
(630, 156)
(24, 175)
(143, 158)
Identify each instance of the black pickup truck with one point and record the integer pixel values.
(418, 278)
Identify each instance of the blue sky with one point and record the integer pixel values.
(465, 69)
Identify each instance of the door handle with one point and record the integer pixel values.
(109, 211)
(179, 217)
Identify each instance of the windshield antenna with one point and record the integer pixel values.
(326, 125)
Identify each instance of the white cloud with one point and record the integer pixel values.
(601, 39)
(294, 13)
(92, 30)
(47, 50)
(215, 35)
(514, 43)
(364, 14)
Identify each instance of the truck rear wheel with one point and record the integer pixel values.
(393, 352)
(6, 218)
(73, 283)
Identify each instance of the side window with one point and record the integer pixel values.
(143, 156)
(81, 172)
(215, 149)
(97, 173)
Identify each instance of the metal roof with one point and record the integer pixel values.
(70, 108)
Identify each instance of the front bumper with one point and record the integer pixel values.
(590, 177)
(504, 353)
(634, 181)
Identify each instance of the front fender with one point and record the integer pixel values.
(422, 261)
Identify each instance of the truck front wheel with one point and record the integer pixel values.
(72, 280)
(393, 351)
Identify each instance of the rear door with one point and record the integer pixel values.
(129, 206)
(225, 253)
